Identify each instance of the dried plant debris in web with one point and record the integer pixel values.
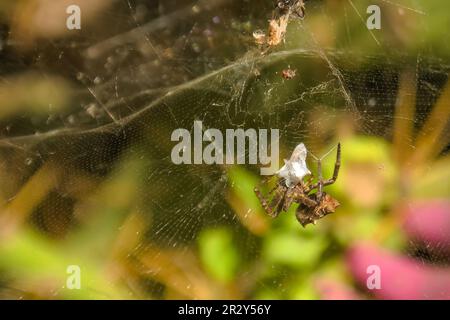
(291, 188)
(285, 10)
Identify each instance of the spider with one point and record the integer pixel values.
(290, 188)
(288, 73)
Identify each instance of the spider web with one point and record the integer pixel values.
(152, 67)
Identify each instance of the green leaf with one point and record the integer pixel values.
(218, 253)
(242, 183)
(291, 249)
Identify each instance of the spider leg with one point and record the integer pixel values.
(335, 173)
(263, 202)
(309, 186)
(307, 201)
(297, 195)
(288, 199)
(310, 179)
(336, 167)
(319, 184)
(261, 198)
(272, 208)
(264, 181)
(278, 200)
(274, 188)
(319, 180)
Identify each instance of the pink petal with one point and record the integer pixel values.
(429, 222)
(333, 290)
(401, 277)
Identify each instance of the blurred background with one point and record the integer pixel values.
(86, 177)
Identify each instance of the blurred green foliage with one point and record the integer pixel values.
(218, 253)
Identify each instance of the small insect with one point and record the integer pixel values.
(290, 188)
(291, 7)
(288, 73)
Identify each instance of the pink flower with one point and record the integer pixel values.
(401, 277)
(429, 223)
(330, 289)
